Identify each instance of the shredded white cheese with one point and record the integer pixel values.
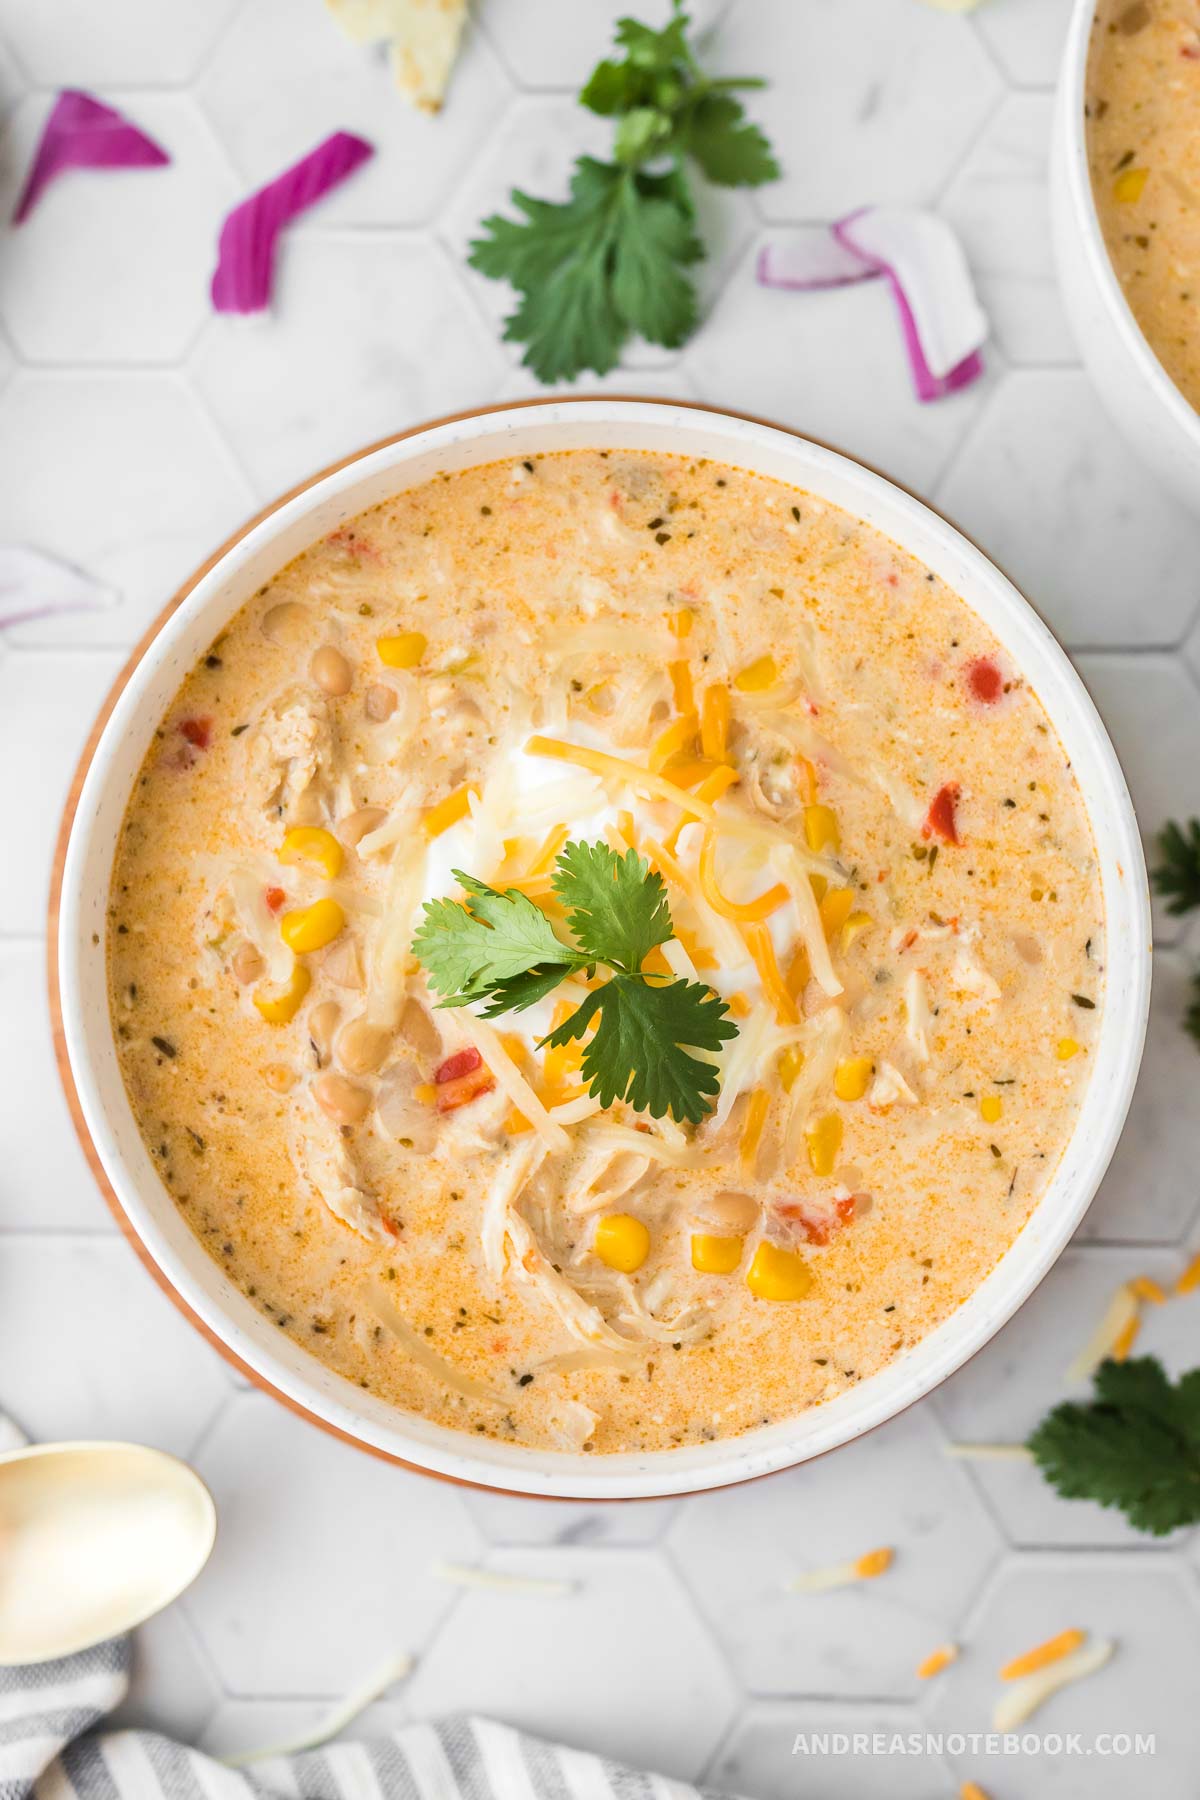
(1021, 1698)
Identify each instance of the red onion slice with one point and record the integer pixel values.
(83, 133)
(922, 260)
(242, 279)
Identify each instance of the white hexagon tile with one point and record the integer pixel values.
(1151, 1193)
(363, 1536)
(901, 93)
(619, 1659)
(384, 334)
(1142, 1605)
(11, 82)
(1026, 38)
(1040, 467)
(999, 206)
(773, 1752)
(831, 365)
(154, 489)
(153, 232)
(741, 1549)
(41, 1152)
(74, 43)
(77, 1318)
(137, 429)
(321, 82)
(548, 45)
(50, 700)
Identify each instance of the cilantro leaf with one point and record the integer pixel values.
(638, 1052)
(613, 258)
(606, 262)
(616, 907)
(1135, 1445)
(468, 949)
(731, 151)
(1177, 876)
(654, 244)
(559, 261)
(500, 949)
(1191, 1018)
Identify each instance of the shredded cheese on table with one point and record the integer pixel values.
(1120, 1317)
(843, 1574)
(1022, 1697)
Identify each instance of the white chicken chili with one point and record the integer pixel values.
(778, 846)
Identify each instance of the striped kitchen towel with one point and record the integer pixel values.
(51, 1748)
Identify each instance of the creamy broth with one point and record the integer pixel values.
(1143, 111)
(916, 1013)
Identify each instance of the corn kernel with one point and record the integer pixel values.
(757, 676)
(621, 1242)
(835, 909)
(311, 844)
(855, 925)
(1066, 1049)
(990, 1108)
(791, 1061)
(1130, 185)
(777, 1274)
(308, 928)
(851, 1077)
(821, 828)
(403, 651)
(824, 1137)
(279, 1006)
(715, 1255)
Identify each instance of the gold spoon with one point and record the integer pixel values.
(94, 1539)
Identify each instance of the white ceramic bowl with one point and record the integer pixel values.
(253, 559)
(1140, 396)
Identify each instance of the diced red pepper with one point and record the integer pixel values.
(274, 898)
(940, 820)
(198, 732)
(984, 680)
(818, 1227)
(463, 1062)
(456, 1093)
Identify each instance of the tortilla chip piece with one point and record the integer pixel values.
(424, 38)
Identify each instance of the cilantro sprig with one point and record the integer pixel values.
(1176, 876)
(499, 948)
(615, 258)
(1135, 1445)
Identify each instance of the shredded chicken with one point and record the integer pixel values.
(291, 758)
(322, 1156)
(889, 1088)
